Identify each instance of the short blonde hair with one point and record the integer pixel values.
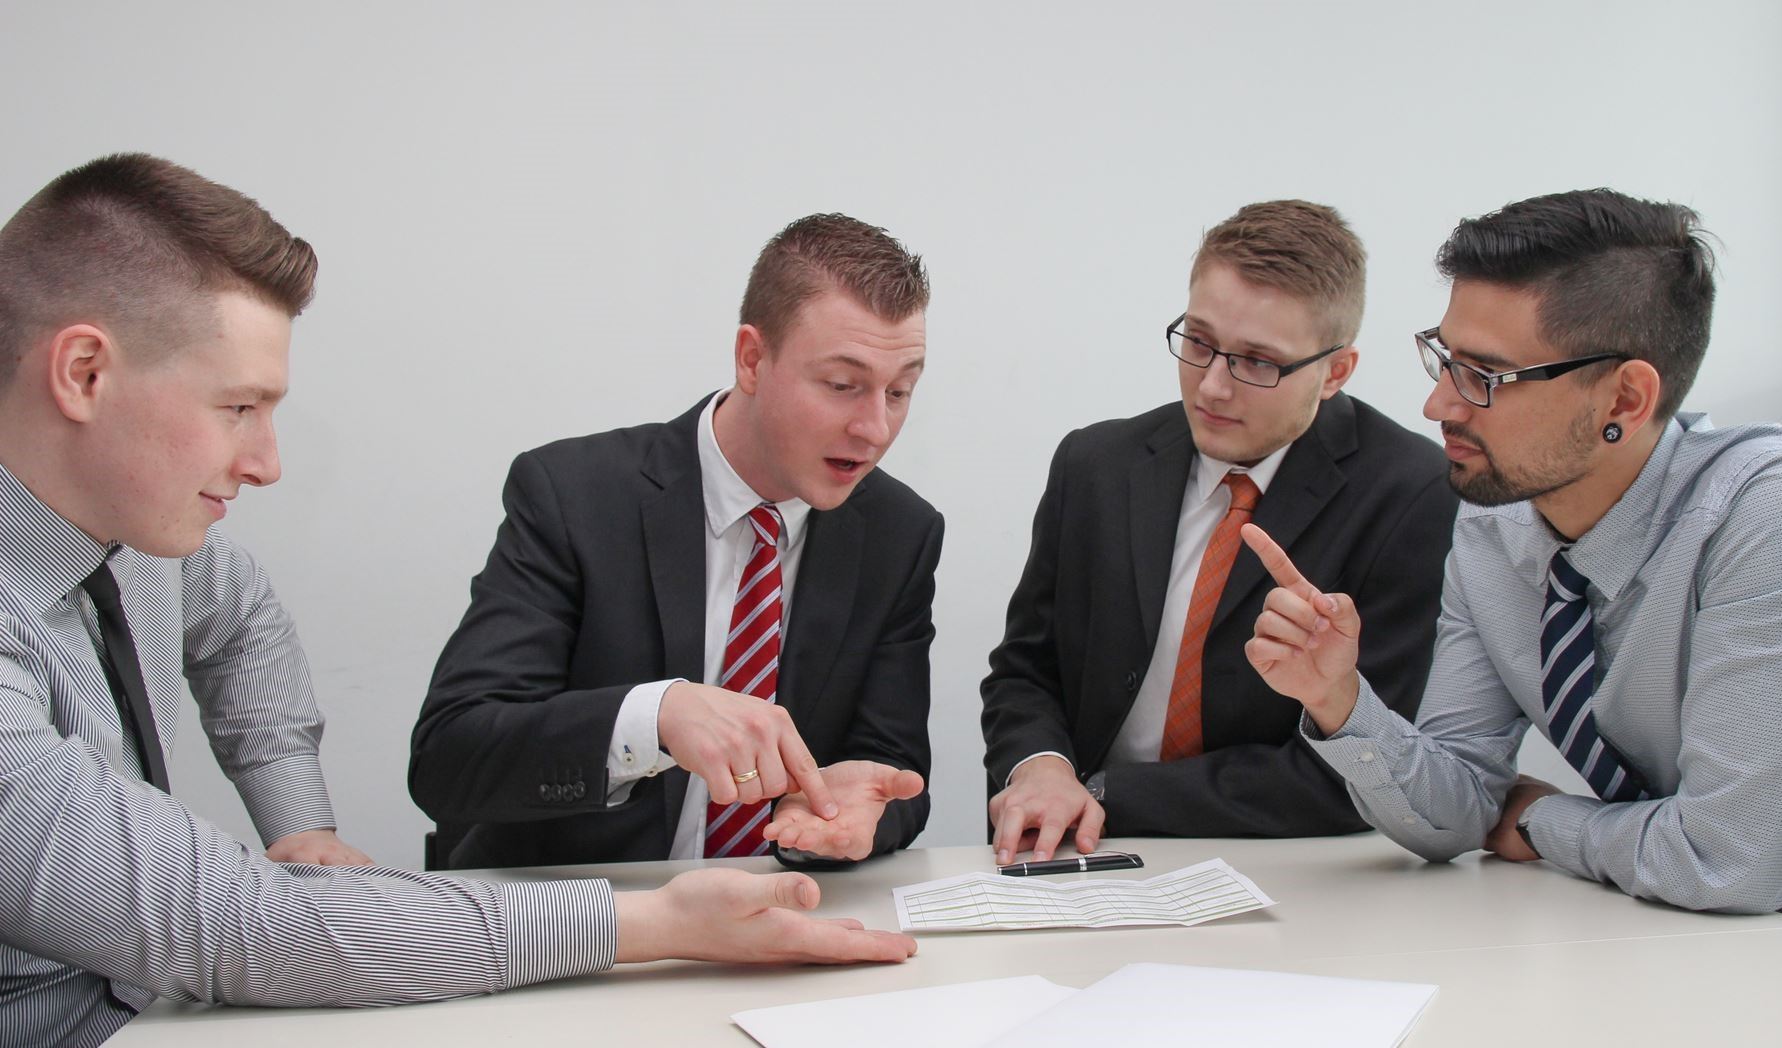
(1304, 249)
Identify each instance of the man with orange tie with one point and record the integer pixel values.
(1120, 702)
(680, 622)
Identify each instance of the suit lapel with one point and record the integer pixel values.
(1308, 479)
(1155, 492)
(674, 546)
(828, 575)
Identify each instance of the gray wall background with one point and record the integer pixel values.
(536, 220)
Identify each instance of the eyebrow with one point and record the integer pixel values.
(847, 360)
(253, 393)
(1490, 360)
(1250, 347)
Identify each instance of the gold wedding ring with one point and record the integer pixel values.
(747, 776)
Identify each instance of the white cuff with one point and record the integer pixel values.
(635, 751)
(1024, 760)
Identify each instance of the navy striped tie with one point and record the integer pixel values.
(1568, 678)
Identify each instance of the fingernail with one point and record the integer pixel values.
(1330, 604)
(1002, 858)
(831, 810)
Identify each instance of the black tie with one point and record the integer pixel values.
(125, 674)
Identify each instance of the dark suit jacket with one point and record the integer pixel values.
(1363, 507)
(596, 583)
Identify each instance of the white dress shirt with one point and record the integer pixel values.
(1205, 501)
(635, 751)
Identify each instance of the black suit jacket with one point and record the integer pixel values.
(1363, 507)
(596, 583)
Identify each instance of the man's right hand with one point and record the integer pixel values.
(748, 918)
(720, 735)
(1043, 800)
(1306, 641)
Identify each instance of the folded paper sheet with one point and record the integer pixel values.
(992, 902)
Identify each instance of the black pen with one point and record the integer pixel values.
(1080, 864)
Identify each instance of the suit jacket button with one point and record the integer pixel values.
(579, 790)
(1132, 680)
(544, 791)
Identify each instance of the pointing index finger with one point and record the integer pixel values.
(1275, 559)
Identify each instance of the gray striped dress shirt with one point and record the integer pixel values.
(113, 893)
(1686, 591)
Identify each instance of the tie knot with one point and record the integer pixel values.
(1566, 581)
(103, 588)
(765, 519)
(1244, 492)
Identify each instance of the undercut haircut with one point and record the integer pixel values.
(139, 246)
(1615, 274)
(1300, 248)
(832, 252)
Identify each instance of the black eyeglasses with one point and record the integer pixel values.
(1475, 385)
(1251, 371)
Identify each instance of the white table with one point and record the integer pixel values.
(1523, 954)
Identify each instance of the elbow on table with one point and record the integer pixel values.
(1431, 843)
(1755, 890)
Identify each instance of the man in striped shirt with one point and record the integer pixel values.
(145, 318)
(1615, 582)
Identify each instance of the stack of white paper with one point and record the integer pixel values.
(1139, 1004)
(991, 901)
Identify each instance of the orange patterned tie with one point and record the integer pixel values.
(1181, 724)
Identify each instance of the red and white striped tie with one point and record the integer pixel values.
(752, 667)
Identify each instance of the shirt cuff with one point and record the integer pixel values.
(558, 929)
(1354, 751)
(1556, 824)
(1042, 753)
(286, 796)
(635, 751)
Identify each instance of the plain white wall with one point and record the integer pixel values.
(537, 221)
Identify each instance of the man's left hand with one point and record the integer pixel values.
(861, 789)
(1504, 838)
(317, 848)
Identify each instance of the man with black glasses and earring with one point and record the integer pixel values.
(1616, 581)
(1119, 701)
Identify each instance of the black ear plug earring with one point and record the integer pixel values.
(1612, 432)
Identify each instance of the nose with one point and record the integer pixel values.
(1444, 403)
(258, 462)
(1216, 382)
(871, 422)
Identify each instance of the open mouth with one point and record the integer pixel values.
(846, 466)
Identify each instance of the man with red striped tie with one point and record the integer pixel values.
(706, 637)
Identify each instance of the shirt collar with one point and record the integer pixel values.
(728, 498)
(44, 557)
(1609, 554)
(1209, 472)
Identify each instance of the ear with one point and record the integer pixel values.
(751, 349)
(1342, 365)
(82, 360)
(1637, 387)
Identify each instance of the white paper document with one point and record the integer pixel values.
(1232, 1008)
(992, 901)
(1139, 1004)
(962, 1015)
